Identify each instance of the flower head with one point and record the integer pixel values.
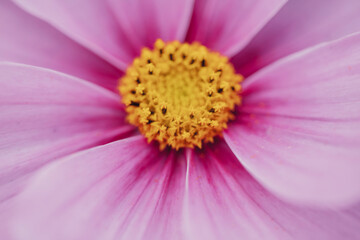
(180, 94)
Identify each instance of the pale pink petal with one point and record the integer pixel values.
(46, 115)
(144, 21)
(298, 25)
(25, 39)
(123, 190)
(224, 202)
(298, 131)
(5, 214)
(228, 25)
(129, 190)
(90, 23)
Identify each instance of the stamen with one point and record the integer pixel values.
(181, 95)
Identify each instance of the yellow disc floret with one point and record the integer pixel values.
(180, 95)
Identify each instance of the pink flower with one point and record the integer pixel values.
(288, 166)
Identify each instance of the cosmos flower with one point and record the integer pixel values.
(186, 119)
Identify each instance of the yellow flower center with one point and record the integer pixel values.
(180, 95)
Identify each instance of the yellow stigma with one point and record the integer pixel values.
(180, 95)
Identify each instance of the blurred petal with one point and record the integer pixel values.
(129, 190)
(90, 23)
(298, 131)
(224, 202)
(25, 39)
(145, 21)
(46, 115)
(227, 26)
(123, 190)
(298, 25)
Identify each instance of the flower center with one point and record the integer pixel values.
(180, 95)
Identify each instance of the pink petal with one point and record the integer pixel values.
(299, 24)
(122, 190)
(145, 21)
(128, 190)
(227, 26)
(224, 202)
(25, 39)
(92, 24)
(299, 129)
(46, 115)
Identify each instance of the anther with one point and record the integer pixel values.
(203, 64)
(136, 104)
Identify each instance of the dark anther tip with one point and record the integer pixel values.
(135, 104)
(203, 63)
